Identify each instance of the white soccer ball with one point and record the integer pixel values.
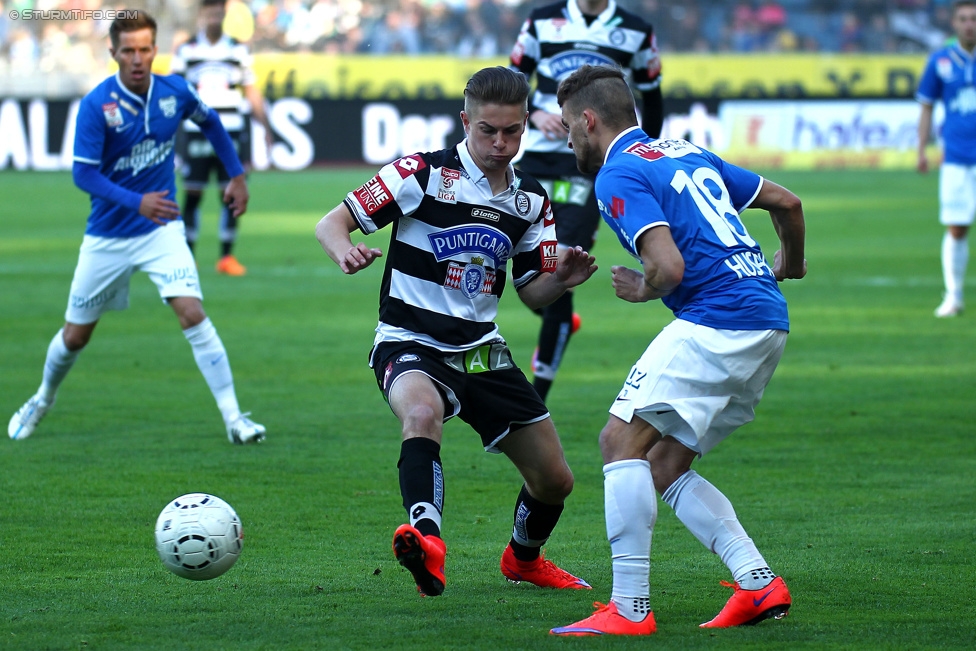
(198, 536)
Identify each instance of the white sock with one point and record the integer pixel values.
(709, 515)
(56, 366)
(211, 358)
(631, 510)
(955, 258)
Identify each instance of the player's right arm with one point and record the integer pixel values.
(333, 232)
(924, 129)
(663, 268)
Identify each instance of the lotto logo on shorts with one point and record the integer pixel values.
(373, 195)
(550, 258)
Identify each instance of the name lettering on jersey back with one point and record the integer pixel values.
(471, 238)
(749, 264)
(145, 155)
(373, 195)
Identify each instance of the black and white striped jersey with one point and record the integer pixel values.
(219, 72)
(452, 241)
(558, 39)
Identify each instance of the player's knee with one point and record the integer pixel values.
(421, 419)
(553, 486)
(667, 467)
(76, 338)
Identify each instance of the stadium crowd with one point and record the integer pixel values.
(480, 28)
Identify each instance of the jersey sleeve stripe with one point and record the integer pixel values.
(90, 161)
(755, 194)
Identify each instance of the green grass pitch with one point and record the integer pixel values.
(856, 479)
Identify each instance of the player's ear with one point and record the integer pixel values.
(465, 122)
(590, 118)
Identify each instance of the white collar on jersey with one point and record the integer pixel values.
(576, 14)
(137, 98)
(606, 156)
(471, 168)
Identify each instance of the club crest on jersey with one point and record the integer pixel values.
(168, 106)
(617, 37)
(471, 279)
(943, 66)
(373, 195)
(113, 116)
(447, 188)
(550, 258)
(522, 204)
(477, 239)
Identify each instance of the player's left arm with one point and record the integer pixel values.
(786, 211)
(575, 266)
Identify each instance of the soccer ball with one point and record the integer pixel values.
(198, 536)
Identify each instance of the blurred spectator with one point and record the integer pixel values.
(440, 29)
(398, 33)
(478, 41)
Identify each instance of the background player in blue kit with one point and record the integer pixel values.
(676, 209)
(123, 155)
(465, 224)
(950, 77)
(556, 40)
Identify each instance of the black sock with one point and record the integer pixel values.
(534, 522)
(422, 484)
(228, 231)
(557, 326)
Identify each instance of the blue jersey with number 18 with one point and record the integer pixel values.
(649, 183)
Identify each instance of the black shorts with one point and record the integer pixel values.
(200, 160)
(574, 208)
(483, 386)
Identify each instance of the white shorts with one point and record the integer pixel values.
(105, 265)
(698, 384)
(957, 194)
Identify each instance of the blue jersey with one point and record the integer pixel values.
(949, 77)
(131, 139)
(649, 183)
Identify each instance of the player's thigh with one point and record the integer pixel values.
(698, 384)
(101, 279)
(957, 194)
(198, 163)
(577, 224)
(164, 255)
(414, 378)
(496, 403)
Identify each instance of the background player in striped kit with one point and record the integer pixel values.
(465, 225)
(219, 67)
(556, 40)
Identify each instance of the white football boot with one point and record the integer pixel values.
(950, 307)
(27, 417)
(243, 430)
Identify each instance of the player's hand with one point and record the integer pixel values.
(157, 208)
(923, 163)
(782, 274)
(575, 266)
(358, 258)
(236, 196)
(628, 284)
(550, 124)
